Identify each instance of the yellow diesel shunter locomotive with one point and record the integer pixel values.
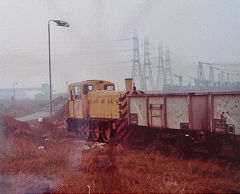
(97, 110)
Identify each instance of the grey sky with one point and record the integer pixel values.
(92, 48)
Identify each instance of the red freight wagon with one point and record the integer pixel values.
(202, 118)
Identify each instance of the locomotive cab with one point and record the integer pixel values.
(78, 92)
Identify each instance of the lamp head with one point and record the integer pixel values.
(61, 23)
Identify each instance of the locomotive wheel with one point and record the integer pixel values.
(78, 132)
(95, 133)
(85, 132)
(106, 134)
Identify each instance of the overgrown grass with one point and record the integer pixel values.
(116, 170)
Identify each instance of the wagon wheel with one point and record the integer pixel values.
(105, 133)
(236, 148)
(95, 133)
(213, 146)
(85, 132)
(185, 146)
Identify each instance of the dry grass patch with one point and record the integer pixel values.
(115, 169)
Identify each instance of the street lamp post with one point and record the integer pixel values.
(59, 23)
(14, 84)
(67, 87)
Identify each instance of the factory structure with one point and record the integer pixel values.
(142, 75)
(40, 93)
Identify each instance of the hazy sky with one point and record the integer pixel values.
(98, 43)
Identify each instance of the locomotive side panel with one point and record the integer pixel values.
(79, 102)
(71, 98)
(103, 104)
(226, 114)
(177, 112)
(78, 108)
(93, 105)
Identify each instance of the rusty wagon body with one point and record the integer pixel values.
(202, 118)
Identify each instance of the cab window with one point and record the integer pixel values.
(90, 87)
(87, 88)
(77, 92)
(108, 87)
(72, 95)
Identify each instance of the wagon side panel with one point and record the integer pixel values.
(138, 111)
(199, 105)
(177, 112)
(226, 114)
(156, 111)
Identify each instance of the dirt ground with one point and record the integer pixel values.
(44, 157)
